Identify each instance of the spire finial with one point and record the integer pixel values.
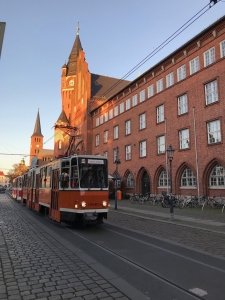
(78, 28)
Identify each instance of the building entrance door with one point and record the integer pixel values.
(145, 183)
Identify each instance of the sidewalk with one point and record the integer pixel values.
(194, 217)
(38, 263)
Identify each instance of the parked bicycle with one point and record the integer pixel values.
(135, 198)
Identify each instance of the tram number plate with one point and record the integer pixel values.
(94, 204)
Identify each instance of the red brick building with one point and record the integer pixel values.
(180, 102)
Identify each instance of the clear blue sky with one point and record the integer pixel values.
(115, 35)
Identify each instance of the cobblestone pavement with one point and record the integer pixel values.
(192, 228)
(38, 264)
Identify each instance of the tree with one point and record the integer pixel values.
(18, 170)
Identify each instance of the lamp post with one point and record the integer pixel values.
(170, 154)
(117, 162)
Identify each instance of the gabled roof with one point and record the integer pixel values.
(62, 118)
(104, 86)
(37, 127)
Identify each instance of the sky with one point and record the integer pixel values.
(116, 35)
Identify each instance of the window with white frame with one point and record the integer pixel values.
(217, 177)
(214, 133)
(209, 57)
(130, 180)
(169, 79)
(194, 65)
(116, 132)
(184, 138)
(127, 104)
(106, 135)
(97, 122)
(97, 140)
(143, 149)
(115, 111)
(110, 114)
(134, 100)
(163, 179)
(142, 121)
(142, 95)
(181, 73)
(101, 119)
(121, 107)
(161, 144)
(106, 116)
(182, 104)
(128, 152)
(128, 127)
(159, 85)
(160, 113)
(105, 154)
(150, 90)
(222, 49)
(115, 151)
(211, 92)
(188, 178)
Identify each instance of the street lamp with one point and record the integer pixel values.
(170, 154)
(117, 162)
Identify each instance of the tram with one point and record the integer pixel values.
(71, 189)
(17, 188)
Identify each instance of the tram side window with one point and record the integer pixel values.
(64, 178)
(41, 177)
(74, 183)
(48, 177)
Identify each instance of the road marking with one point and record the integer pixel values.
(198, 292)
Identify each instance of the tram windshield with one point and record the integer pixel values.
(93, 173)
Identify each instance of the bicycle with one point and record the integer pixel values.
(135, 198)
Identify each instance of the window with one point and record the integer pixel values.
(110, 114)
(222, 49)
(128, 129)
(188, 178)
(105, 154)
(130, 180)
(143, 149)
(169, 79)
(127, 104)
(59, 145)
(142, 119)
(106, 116)
(184, 138)
(142, 95)
(101, 119)
(134, 100)
(163, 179)
(161, 144)
(116, 132)
(128, 152)
(211, 92)
(115, 154)
(115, 111)
(97, 122)
(160, 113)
(182, 104)
(97, 140)
(209, 57)
(214, 134)
(151, 90)
(194, 65)
(217, 176)
(121, 107)
(106, 134)
(181, 73)
(159, 85)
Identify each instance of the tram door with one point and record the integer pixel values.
(54, 212)
(145, 183)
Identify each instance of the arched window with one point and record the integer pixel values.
(163, 179)
(60, 145)
(217, 176)
(130, 180)
(188, 178)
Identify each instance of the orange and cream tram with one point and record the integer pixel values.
(17, 188)
(71, 189)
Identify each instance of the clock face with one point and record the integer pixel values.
(71, 82)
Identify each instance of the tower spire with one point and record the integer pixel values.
(37, 126)
(78, 28)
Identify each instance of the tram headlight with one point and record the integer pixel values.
(104, 203)
(83, 204)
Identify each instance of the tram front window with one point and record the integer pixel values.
(93, 173)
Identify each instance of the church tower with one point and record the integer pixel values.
(36, 143)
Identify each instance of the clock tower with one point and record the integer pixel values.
(36, 143)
